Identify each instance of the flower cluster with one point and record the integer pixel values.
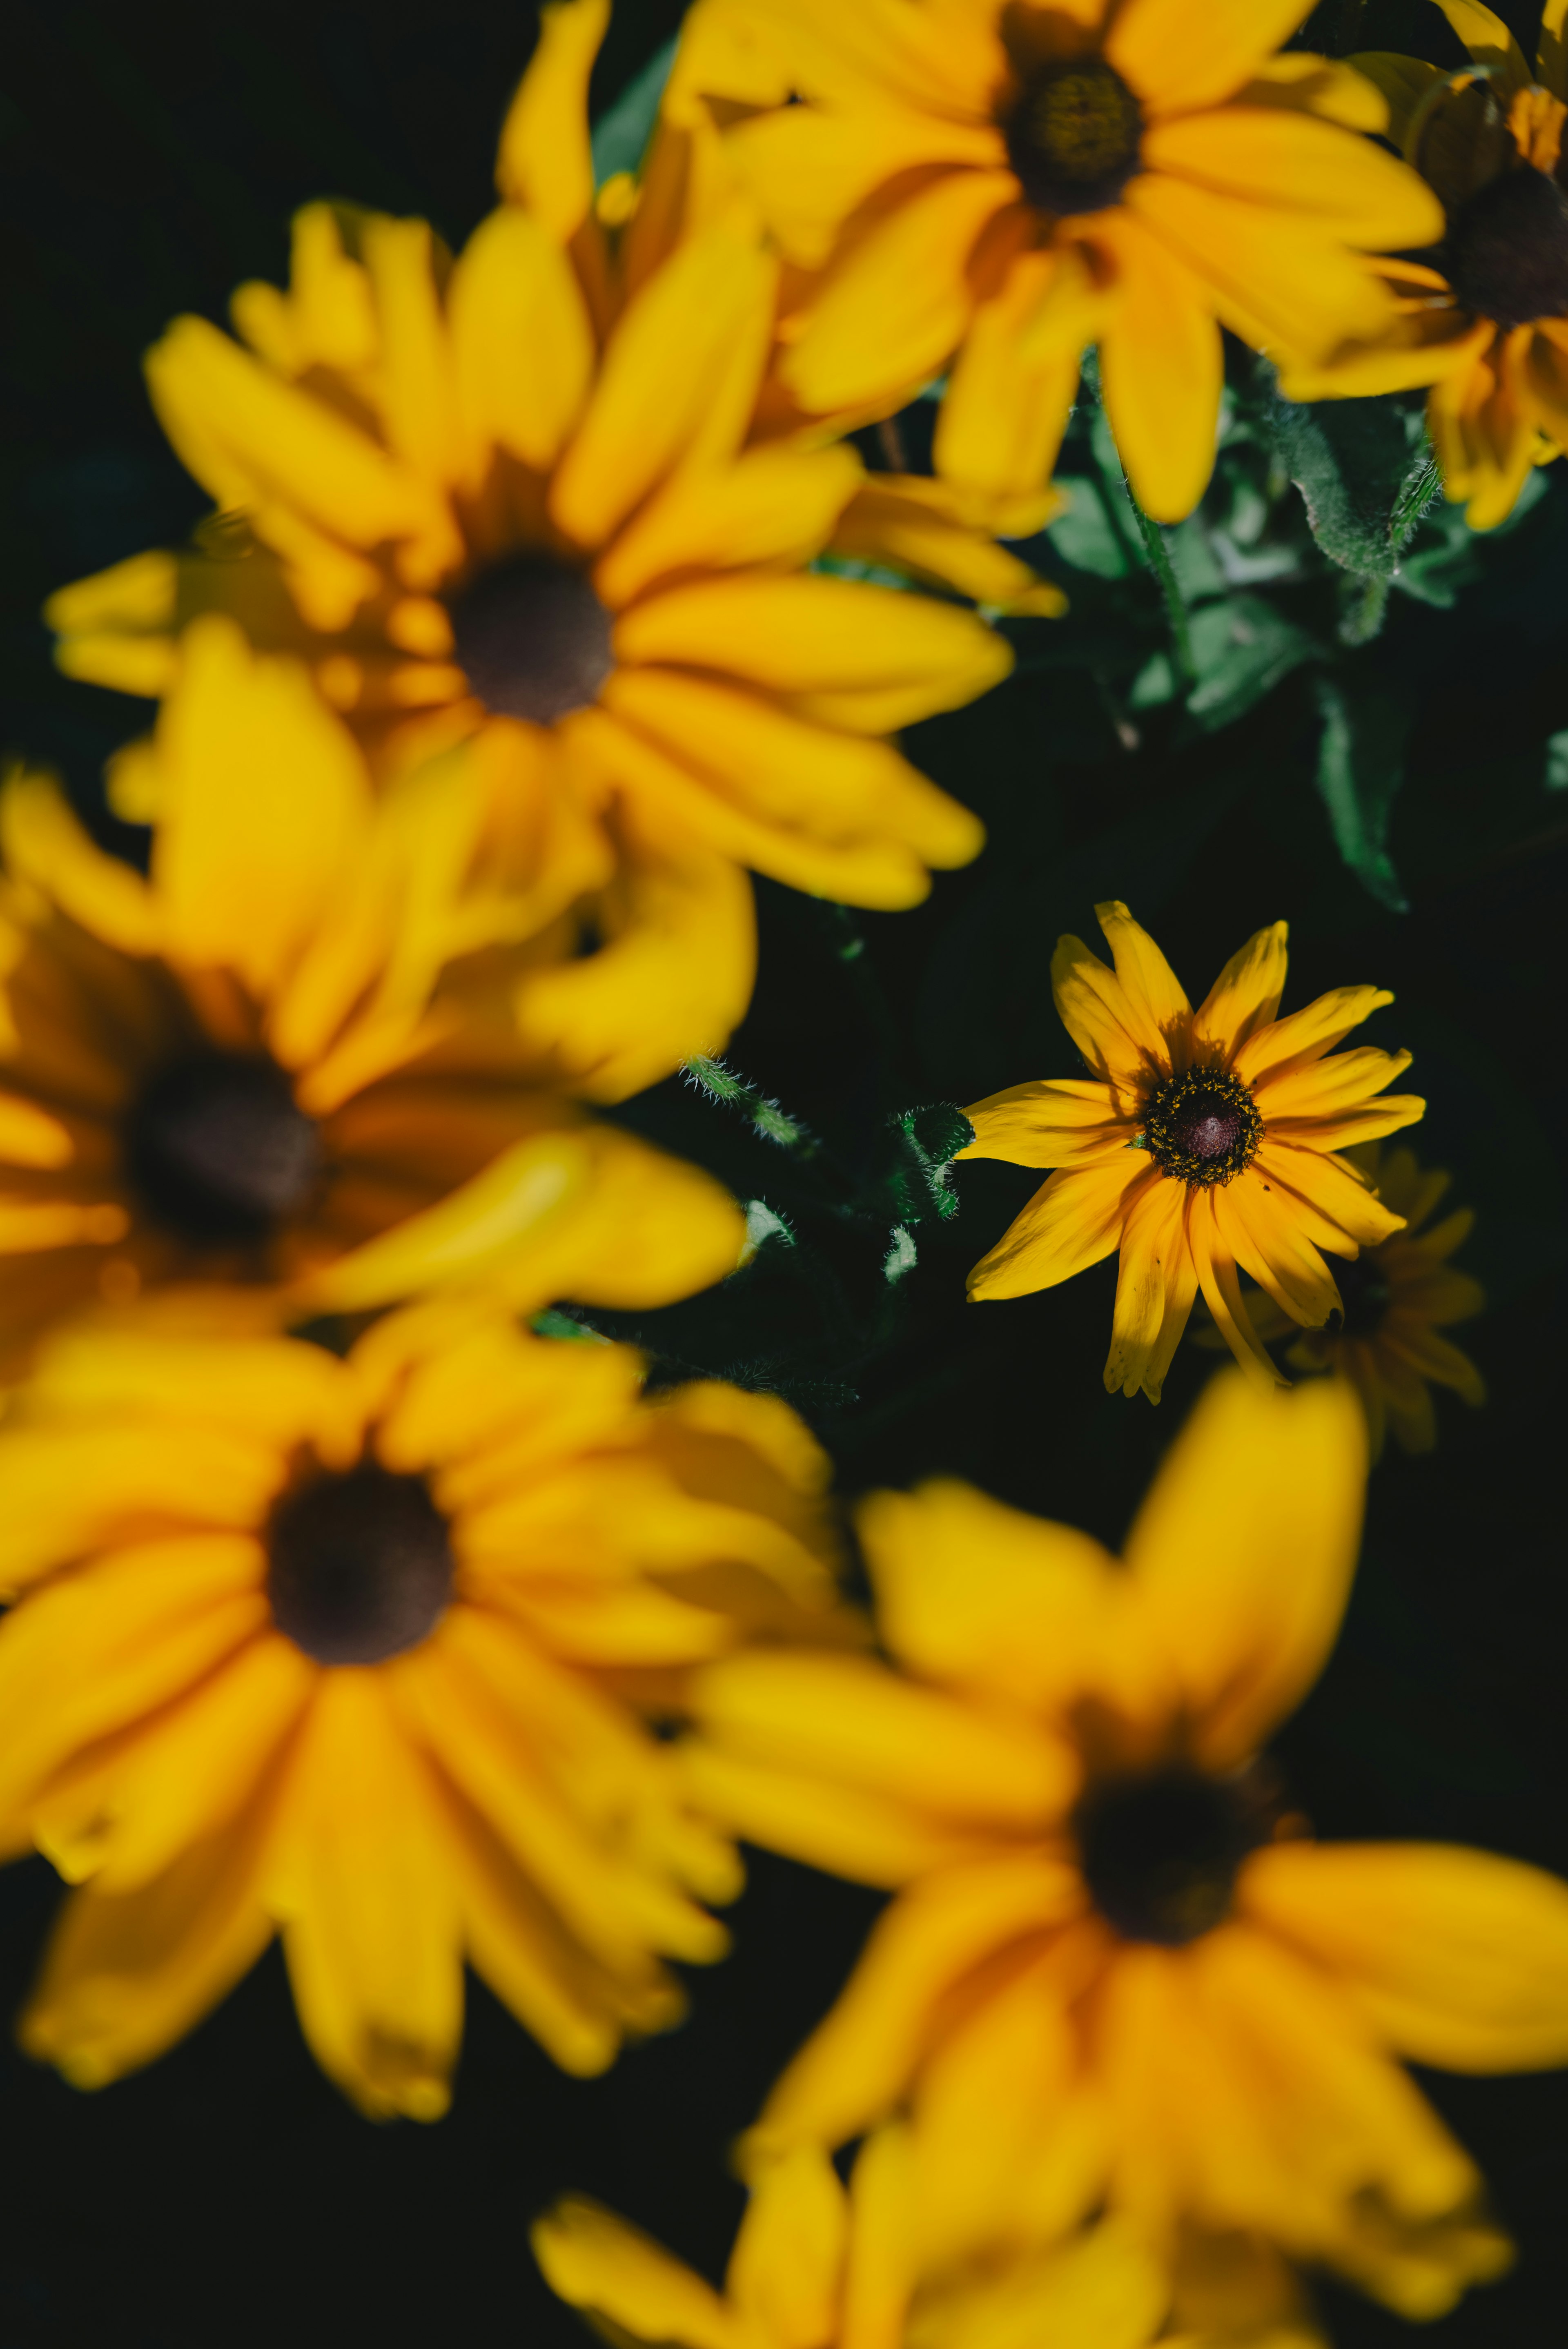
(358, 1598)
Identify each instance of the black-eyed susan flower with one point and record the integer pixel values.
(288, 1056)
(813, 2264)
(344, 1649)
(1396, 1301)
(991, 188)
(1205, 1143)
(1119, 1972)
(518, 487)
(1486, 321)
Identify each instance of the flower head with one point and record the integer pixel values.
(1120, 1974)
(289, 1058)
(1485, 319)
(347, 1651)
(1205, 1142)
(991, 188)
(842, 2271)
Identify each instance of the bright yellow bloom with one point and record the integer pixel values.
(512, 495)
(994, 187)
(343, 1649)
(289, 1057)
(1398, 1300)
(1206, 1142)
(1119, 1974)
(1487, 326)
(815, 2268)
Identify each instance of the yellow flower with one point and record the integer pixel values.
(1206, 1142)
(1397, 1300)
(506, 496)
(289, 1057)
(1118, 1974)
(814, 2264)
(992, 188)
(1488, 327)
(340, 1650)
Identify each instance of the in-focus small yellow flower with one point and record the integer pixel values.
(344, 1650)
(813, 2264)
(1398, 1300)
(1118, 1974)
(288, 1058)
(992, 188)
(1487, 326)
(1206, 1143)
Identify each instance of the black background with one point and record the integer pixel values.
(151, 156)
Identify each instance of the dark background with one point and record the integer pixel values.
(150, 157)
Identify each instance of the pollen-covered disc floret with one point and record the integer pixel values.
(1203, 1127)
(1073, 135)
(366, 1690)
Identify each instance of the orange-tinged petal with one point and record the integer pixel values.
(1075, 1219)
(896, 307)
(1152, 46)
(1244, 1548)
(1244, 997)
(1551, 57)
(544, 162)
(1456, 1957)
(1274, 157)
(1161, 371)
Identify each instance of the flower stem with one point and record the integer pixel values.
(1159, 563)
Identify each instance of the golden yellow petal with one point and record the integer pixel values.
(772, 505)
(45, 846)
(1156, 1283)
(1075, 1219)
(1455, 1958)
(811, 169)
(1160, 367)
(416, 390)
(596, 2261)
(1272, 1048)
(1011, 387)
(1074, 1122)
(1243, 1552)
(1489, 41)
(522, 342)
(784, 2272)
(870, 1838)
(1116, 1035)
(1151, 44)
(544, 162)
(1274, 157)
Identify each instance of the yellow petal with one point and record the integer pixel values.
(522, 344)
(882, 2253)
(1075, 1219)
(810, 169)
(45, 846)
(1161, 371)
(918, 524)
(1489, 41)
(1458, 1958)
(596, 2261)
(1151, 44)
(869, 1838)
(1075, 1121)
(1245, 1549)
(416, 390)
(1117, 1035)
(786, 2269)
(1274, 1047)
(772, 505)
(1011, 388)
(844, 1717)
(892, 312)
(1274, 157)
(1156, 1283)
(1246, 996)
(544, 162)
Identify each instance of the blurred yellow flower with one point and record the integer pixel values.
(1398, 1300)
(813, 2264)
(992, 188)
(344, 1650)
(1119, 1974)
(1487, 325)
(1206, 1141)
(289, 1057)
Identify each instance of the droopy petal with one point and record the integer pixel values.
(1161, 368)
(1458, 1958)
(265, 799)
(1075, 1219)
(127, 1974)
(1245, 1549)
(860, 2061)
(847, 1717)
(893, 311)
(544, 161)
(596, 2261)
(1155, 1286)
(1151, 44)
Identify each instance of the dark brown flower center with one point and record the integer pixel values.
(1506, 255)
(1364, 1293)
(1073, 136)
(219, 1151)
(532, 638)
(1203, 1126)
(1159, 1853)
(359, 1566)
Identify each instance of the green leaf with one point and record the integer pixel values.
(1360, 766)
(621, 135)
(1241, 650)
(1366, 475)
(554, 1323)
